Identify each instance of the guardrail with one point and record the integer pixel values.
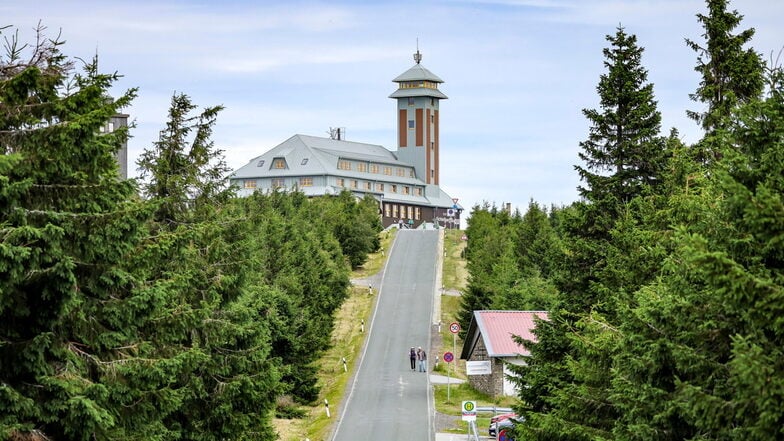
(494, 409)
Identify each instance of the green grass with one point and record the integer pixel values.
(454, 275)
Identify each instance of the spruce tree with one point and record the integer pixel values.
(624, 152)
(69, 310)
(214, 333)
(731, 74)
(566, 385)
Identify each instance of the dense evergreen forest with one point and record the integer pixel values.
(665, 282)
(158, 309)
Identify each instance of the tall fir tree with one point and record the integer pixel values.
(731, 74)
(215, 339)
(624, 151)
(69, 310)
(565, 391)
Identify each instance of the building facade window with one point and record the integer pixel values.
(279, 163)
(366, 185)
(344, 165)
(411, 124)
(362, 167)
(418, 213)
(401, 172)
(406, 189)
(249, 184)
(374, 168)
(379, 186)
(410, 101)
(341, 182)
(411, 173)
(394, 210)
(388, 171)
(305, 182)
(418, 191)
(278, 183)
(353, 183)
(387, 210)
(394, 188)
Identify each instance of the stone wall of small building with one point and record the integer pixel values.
(492, 384)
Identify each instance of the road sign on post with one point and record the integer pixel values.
(469, 410)
(449, 357)
(454, 327)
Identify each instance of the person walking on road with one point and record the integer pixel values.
(422, 360)
(412, 355)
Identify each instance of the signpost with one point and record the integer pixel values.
(469, 410)
(448, 357)
(454, 328)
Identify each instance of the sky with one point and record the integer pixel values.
(517, 73)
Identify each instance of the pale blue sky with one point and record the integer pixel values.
(517, 72)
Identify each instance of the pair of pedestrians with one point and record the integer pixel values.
(418, 358)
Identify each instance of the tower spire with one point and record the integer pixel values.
(417, 55)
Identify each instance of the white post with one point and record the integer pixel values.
(326, 407)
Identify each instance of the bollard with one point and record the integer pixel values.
(326, 407)
(345, 368)
(362, 326)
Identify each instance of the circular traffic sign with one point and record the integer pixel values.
(448, 357)
(454, 327)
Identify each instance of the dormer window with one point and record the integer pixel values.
(304, 161)
(260, 164)
(279, 163)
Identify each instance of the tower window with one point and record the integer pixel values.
(411, 124)
(410, 101)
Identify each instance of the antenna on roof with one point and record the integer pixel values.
(337, 133)
(417, 55)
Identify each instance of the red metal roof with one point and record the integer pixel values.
(498, 327)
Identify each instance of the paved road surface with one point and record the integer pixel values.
(387, 401)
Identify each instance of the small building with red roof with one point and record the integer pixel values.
(490, 338)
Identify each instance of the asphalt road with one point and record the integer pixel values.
(387, 401)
